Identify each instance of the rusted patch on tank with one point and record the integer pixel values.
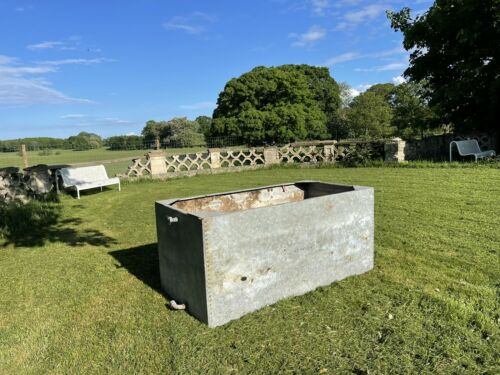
(243, 201)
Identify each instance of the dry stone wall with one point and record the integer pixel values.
(20, 187)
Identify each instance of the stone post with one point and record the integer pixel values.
(158, 164)
(329, 151)
(24, 155)
(271, 156)
(394, 150)
(214, 158)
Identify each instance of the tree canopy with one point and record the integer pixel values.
(85, 141)
(370, 113)
(277, 104)
(455, 49)
(178, 131)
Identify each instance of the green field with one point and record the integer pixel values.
(12, 159)
(81, 294)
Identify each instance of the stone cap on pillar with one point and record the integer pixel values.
(156, 154)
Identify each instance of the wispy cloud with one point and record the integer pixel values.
(341, 58)
(69, 44)
(349, 56)
(308, 38)
(72, 116)
(86, 119)
(23, 85)
(398, 80)
(195, 23)
(115, 120)
(384, 68)
(363, 87)
(390, 52)
(45, 45)
(23, 91)
(23, 70)
(99, 60)
(198, 106)
(356, 17)
(4, 60)
(319, 7)
(25, 8)
(355, 91)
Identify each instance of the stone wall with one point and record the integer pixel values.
(32, 182)
(216, 160)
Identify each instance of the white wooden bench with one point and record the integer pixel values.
(470, 147)
(84, 178)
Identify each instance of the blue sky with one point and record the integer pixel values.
(109, 66)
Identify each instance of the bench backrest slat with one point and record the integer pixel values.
(468, 147)
(76, 176)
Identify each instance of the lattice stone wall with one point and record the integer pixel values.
(188, 162)
(139, 168)
(241, 158)
(214, 160)
(304, 154)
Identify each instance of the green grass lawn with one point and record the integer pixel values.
(82, 295)
(12, 159)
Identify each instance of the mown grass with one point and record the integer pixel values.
(87, 300)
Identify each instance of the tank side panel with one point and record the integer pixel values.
(182, 269)
(257, 257)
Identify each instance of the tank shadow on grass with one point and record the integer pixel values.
(142, 262)
(36, 223)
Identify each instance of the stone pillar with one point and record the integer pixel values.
(271, 156)
(329, 151)
(394, 150)
(158, 164)
(214, 158)
(24, 155)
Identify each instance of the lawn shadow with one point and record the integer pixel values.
(142, 262)
(36, 223)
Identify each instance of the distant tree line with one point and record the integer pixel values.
(81, 141)
(177, 132)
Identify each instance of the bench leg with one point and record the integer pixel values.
(119, 186)
(77, 193)
(101, 188)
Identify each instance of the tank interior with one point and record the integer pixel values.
(263, 197)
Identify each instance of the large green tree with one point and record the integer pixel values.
(85, 141)
(155, 130)
(412, 115)
(178, 131)
(205, 123)
(277, 104)
(455, 48)
(370, 114)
